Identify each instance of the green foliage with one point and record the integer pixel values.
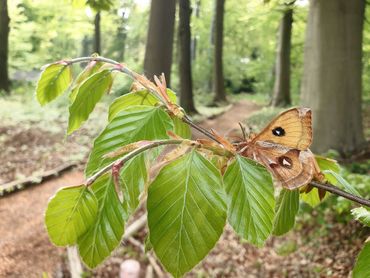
(92, 68)
(362, 214)
(54, 80)
(328, 167)
(88, 94)
(133, 177)
(186, 212)
(106, 232)
(362, 269)
(251, 200)
(286, 209)
(69, 214)
(143, 97)
(132, 124)
(188, 200)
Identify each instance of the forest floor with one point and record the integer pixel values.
(311, 250)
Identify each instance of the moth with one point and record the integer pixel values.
(283, 148)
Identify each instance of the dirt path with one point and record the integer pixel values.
(25, 250)
(230, 119)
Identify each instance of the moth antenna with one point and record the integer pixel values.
(242, 127)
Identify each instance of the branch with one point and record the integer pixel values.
(142, 80)
(187, 120)
(122, 68)
(123, 160)
(337, 191)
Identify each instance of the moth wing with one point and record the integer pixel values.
(292, 128)
(290, 167)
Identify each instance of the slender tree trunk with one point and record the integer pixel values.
(281, 91)
(158, 53)
(97, 40)
(332, 73)
(4, 40)
(194, 40)
(186, 82)
(218, 75)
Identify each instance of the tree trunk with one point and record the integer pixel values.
(331, 83)
(194, 41)
(97, 41)
(281, 91)
(186, 82)
(4, 40)
(158, 53)
(218, 75)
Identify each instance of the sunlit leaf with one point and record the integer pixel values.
(180, 128)
(69, 214)
(92, 68)
(362, 214)
(54, 80)
(133, 178)
(336, 179)
(327, 164)
(130, 125)
(250, 199)
(312, 198)
(89, 93)
(362, 266)
(186, 212)
(286, 209)
(143, 97)
(106, 232)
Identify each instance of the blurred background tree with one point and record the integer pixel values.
(262, 56)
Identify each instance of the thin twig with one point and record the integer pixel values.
(187, 120)
(337, 191)
(151, 258)
(120, 67)
(135, 226)
(132, 154)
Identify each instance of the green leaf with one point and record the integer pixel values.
(54, 80)
(362, 214)
(251, 200)
(130, 125)
(143, 97)
(327, 164)
(312, 198)
(92, 68)
(89, 93)
(286, 209)
(69, 214)
(133, 178)
(362, 266)
(106, 233)
(336, 179)
(186, 212)
(182, 129)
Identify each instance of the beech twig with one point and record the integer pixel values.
(120, 67)
(130, 155)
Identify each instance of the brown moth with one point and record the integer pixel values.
(283, 148)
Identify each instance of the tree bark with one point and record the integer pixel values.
(281, 91)
(218, 75)
(186, 82)
(331, 83)
(4, 41)
(97, 40)
(158, 53)
(194, 41)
